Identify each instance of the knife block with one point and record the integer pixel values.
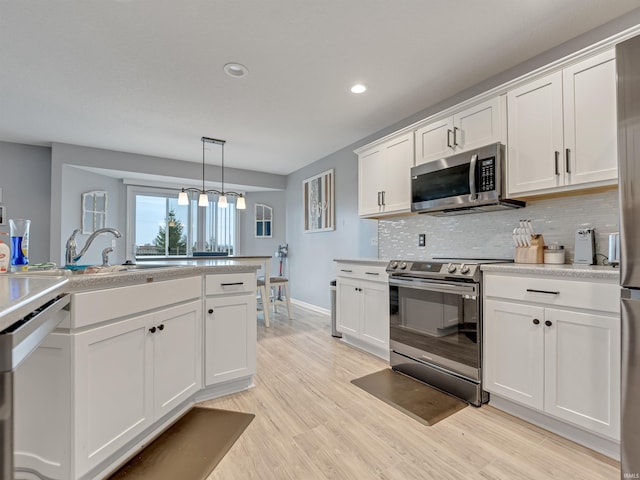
(533, 253)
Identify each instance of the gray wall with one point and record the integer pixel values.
(249, 244)
(75, 182)
(312, 254)
(488, 235)
(25, 179)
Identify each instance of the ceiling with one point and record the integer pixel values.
(146, 76)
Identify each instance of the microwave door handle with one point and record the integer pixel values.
(472, 178)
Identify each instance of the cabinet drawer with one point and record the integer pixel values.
(590, 295)
(230, 283)
(97, 306)
(363, 272)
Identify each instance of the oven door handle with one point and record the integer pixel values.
(457, 289)
(473, 196)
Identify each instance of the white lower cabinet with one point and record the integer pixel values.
(135, 371)
(230, 328)
(362, 307)
(88, 392)
(553, 357)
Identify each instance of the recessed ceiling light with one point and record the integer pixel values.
(236, 70)
(358, 88)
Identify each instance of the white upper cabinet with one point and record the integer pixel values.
(384, 177)
(473, 127)
(562, 129)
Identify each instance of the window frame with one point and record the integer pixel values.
(200, 216)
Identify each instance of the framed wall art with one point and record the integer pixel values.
(317, 192)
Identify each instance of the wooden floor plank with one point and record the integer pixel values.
(312, 423)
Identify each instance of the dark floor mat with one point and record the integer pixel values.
(190, 449)
(414, 398)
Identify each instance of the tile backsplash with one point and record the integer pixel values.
(488, 235)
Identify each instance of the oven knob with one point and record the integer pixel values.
(464, 269)
(403, 266)
(451, 268)
(394, 264)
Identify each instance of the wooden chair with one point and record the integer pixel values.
(276, 283)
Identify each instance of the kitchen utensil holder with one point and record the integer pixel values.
(533, 253)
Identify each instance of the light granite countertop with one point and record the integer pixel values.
(565, 271)
(79, 282)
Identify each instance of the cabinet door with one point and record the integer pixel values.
(348, 308)
(477, 126)
(371, 180)
(590, 120)
(176, 356)
(513, 352)
(375, 313)
(399, 160)
(434, 141)
(535, 140)
(230, 338)
(113, 388)
(582, 373)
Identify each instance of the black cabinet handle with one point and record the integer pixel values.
(161, 327)
(347, 271)
(231, 284)
(567, 167)
(536, 321)
(548, 292)
(371, 273)
(152, 329)
(455, 137)
(548, 323)
(210, 311)
(557, 156)
(449, 132)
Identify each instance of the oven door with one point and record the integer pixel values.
(437, 322)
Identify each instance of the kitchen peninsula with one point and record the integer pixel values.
(137, 350)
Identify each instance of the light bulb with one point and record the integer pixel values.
(222, 201)
(203, 200)
(241, 204)
(183, 198)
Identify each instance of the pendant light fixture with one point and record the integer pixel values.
(203, 198)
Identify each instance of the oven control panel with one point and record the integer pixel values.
(433, 269)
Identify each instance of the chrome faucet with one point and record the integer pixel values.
(72, 246)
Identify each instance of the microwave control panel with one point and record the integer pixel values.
(487, 174)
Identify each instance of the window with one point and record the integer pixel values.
(264, 216)
(161, 227)
(94, 211)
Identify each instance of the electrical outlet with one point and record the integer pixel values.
(422, 240)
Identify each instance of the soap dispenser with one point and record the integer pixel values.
(5, 255)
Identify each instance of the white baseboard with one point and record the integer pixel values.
(309, 306)
(607, 447)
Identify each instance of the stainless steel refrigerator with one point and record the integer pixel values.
(628, 67)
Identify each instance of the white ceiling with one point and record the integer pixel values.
(146, 76)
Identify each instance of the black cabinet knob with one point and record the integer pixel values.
(152, 329)
(536, 321)
(548, 323)
(210, 310)
(161, 327)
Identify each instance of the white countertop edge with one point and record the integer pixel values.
(363, 261)
(566, 271)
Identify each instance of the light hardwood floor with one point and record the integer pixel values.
(312, 423)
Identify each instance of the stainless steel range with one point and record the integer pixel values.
(436, 323)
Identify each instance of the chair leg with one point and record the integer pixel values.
(265, 306)
(286, 293)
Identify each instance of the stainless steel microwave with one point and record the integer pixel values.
(468, 182)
